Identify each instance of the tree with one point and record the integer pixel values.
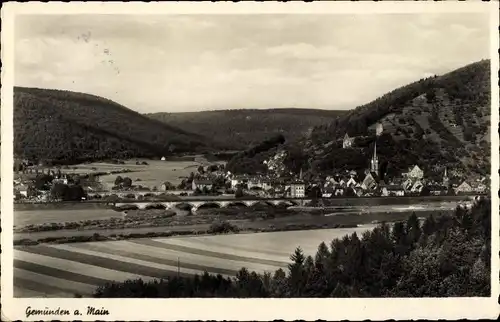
(314, 192)
(413, 230)
(297, 274)
(127, 182)
(118, 181)
(238, 193)
(75, 193)
(43, 181)
(425, 191)
(59, 191)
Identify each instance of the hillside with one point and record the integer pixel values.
(434, 122)
(66, 127)
(241, 128)
(438, 122)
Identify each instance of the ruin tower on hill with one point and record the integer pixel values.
(347, 142)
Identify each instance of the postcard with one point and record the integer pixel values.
(249, 161)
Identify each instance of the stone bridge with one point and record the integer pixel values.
(194, 205)
(136, 194)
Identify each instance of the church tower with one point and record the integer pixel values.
(446, 181)
(374, 161)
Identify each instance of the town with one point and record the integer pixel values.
(39, 184)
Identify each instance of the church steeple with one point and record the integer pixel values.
(445, 178)
(374, 160)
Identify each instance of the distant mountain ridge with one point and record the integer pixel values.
(241, 128)
(64, 126)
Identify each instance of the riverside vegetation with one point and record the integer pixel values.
(447, 255)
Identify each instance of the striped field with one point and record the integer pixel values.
(69, 269)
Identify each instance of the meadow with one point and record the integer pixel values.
(77, 269)
(152, 174)
(155, 173)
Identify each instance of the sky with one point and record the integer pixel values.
(178, 63)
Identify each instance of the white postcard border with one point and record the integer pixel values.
(239, 309)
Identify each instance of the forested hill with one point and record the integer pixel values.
(241, 128)
(66, 127)
(434, 122)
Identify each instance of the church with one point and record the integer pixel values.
(372, 174)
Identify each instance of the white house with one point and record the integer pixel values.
(201, 184)
(22, 189)
(62, 180)
(415, 173)
(393, 190)
(297, 190)
(351, 183)
(464, 187)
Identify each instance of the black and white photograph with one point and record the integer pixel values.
(248, 155)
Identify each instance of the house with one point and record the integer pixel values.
(338, 190)
(238, 180)
(437, 190)
(417, 186)
(351, 183)
(478, 187)
(202, 184)
(259, 183)
(328, 192)
(347, 142)
(63, 180)
(297, 189)
(408, 184)
(358, 191)
(163, 159)
(464, 187)
(22, 189)
(415, 173)
(370, 182)
(393, 190)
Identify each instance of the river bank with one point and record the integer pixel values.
(157, 226)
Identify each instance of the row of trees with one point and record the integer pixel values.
(447, 255)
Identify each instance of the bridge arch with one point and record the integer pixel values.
(155, 205)
(183, 206)
(263, 204)
(236, 204)
(208, 205)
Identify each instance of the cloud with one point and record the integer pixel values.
(195, 62)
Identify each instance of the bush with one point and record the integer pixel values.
(222, 228)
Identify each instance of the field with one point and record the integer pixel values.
(66, 270)
(35, 217)
(153, 174)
